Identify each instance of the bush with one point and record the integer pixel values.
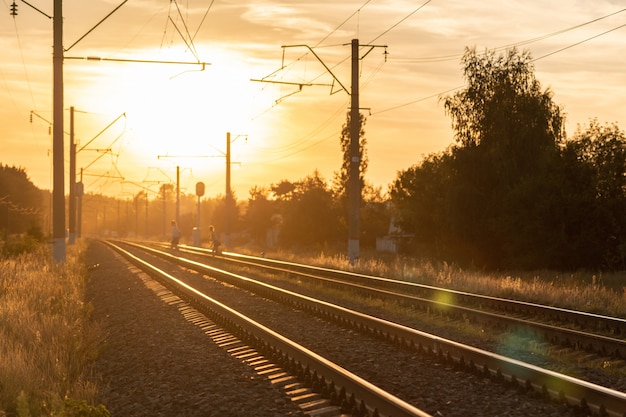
(15, 247)
(76, 408)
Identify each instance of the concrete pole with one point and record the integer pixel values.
(196, 234)
(178, 196)
(145, 228)
(58, 190)
(229, 196)
(79, 207)
(72, 198)
(354, 184)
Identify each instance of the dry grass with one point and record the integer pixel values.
(46, 338)
(596, 293)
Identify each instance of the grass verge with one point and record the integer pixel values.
(600, 293)
(46, 337)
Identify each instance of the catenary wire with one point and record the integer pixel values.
(534, 60)
(399, 22)
(203, 19)
(190, 44)
(512, 45)
(19, 43)
(578, 43)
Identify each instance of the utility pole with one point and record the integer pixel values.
(80, 191)
(58, 191)
(229, 202)
(196, 232)
(72, 202)
(229, 195)
(76, 189)
(354, 182)
(178, 195)
(58, 186)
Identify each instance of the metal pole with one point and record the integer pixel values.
(58, 192)
(145, 228)
(79, 208)
(354, 182)
(164, 213)
(178, 195)
(196, 236)
(229, 196)
(72, 202)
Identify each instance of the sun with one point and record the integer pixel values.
(177, 114)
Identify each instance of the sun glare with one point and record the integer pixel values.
(178, 114)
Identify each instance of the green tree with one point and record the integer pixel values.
(342, 177)
(418, 195)
(310, 215)
(375, 215)
(486, 196)
(21, 202)
(511, 130)
(259, 216)
(595, 221)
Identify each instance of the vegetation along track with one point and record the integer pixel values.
(481, 366)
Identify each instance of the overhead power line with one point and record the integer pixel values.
(578, 43)
(524, 43)
(516, 44)
(94, 28)
(400, 21)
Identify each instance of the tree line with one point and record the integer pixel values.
(513, 191)
(24, 208)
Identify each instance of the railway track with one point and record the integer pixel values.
(346, 392)
(526, 377)
(593, 333)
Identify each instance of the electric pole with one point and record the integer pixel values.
(353, 187)
(354, 182)
(229, 195)
(72, 202)
(178, 195)
(58, 191)
(229, 202)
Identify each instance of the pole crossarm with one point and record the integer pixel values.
(140, 61)
(284, 82)
(186, 156)
(34, 113)
(371, 47)
(321, 62)
(106, 175)
(102, 131)
(33, 7)
(136, 184)
(97, 24)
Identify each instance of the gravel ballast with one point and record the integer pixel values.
(156, 363)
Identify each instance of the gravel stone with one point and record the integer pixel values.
(158, 337)
(155, 363)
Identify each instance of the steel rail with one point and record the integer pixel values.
(615, 325)
(376, 399)
(558, 386)
(401, 291)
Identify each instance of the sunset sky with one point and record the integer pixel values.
(179, 114)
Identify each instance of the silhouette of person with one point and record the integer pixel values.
(175, 235)
(214, 240)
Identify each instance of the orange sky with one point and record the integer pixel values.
(178, 115)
